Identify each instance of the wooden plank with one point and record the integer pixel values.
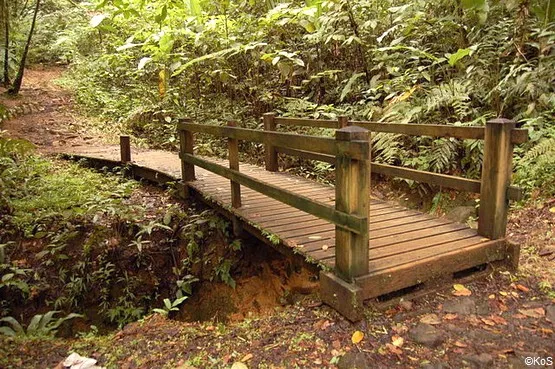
(394, 279)
(382, 242)
(419, 224)
(399, 248)
(414, 256)
(348, 221)
(496, 176)
(355, 149)
(374, 220)
(420, 234)
(307, 231)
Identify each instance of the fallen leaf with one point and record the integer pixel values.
(522, 288)
(357, 337)
(397, 341)
(546, 330)
(533, 313)
(393, 349)
(461, 290)
(552, 210)
(503, 293)
(450, 316)
(247, 357)
(488, 322)
(239, 365)
(498, 319)
(336, 344)
(432, 319)
(460, 344)
(491, 297)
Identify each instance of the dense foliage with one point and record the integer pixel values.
(143, 64)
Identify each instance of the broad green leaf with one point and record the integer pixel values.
(461, 53)
(348, 87)
(34, 324)
(14, 323)
(144, 61)
(97, 20)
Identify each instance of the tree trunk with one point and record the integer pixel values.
(14, 90)
(6, 23)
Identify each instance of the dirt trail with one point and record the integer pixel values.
(504, 318)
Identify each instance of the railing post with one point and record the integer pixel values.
(233, 145)
(125, 149)
(186, 144)
(496, 177)
(342, 121)
(270, 153)
(352, 195)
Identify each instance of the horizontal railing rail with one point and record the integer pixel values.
(518, 135)
(435, 179)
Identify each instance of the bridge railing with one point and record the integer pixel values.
(499, 135)
(351, 152)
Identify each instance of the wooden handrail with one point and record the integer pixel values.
(518, 136)
(437, 179)
(324, 145)
(350, 222)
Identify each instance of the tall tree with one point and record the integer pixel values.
(16, 86)
(5, 14)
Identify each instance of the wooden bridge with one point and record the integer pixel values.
(365, 247)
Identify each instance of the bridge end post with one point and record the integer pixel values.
(270, 152)
(186, 144)
(233, 147)
(352, 196)
(496, 178)
(125, 149)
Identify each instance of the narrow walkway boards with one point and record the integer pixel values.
(399, 237)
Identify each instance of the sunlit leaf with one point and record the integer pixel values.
(357, 337)
(97, 20)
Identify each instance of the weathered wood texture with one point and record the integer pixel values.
(324, 145)
(125, 149)
(270, 153)
(186, 145)
(496, 177)
(233, 149)
(411, 245)
(352, 195)
(433, 130)
(434, 179)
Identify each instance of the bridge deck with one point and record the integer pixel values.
(406, 246)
